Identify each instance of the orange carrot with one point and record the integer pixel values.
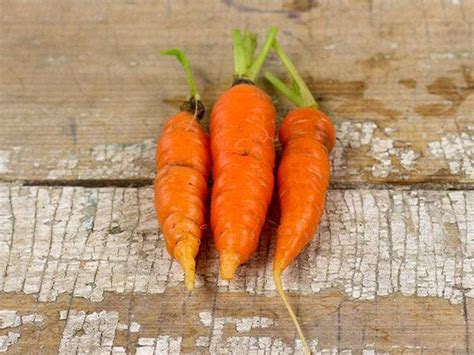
(307, 136)
(183, 166)
(242, 131)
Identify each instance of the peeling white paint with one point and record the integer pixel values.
(116, 350)
(134, 327)
(248, 323)
(63, 315)
(206, 318)
(7, 340)
(457, 150)
(86, 241)
(89, 332)
(164, 344)
(362, 135)
(11, 319)
(407, 158)
(202, 341)
(381, 150)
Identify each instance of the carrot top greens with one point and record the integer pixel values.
(246, 64)
(194, 104)
(187, 69)
(299, 92)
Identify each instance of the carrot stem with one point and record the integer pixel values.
(288, 92)
(193, 93)
(246, 64)
(300, 89)
(279, 287)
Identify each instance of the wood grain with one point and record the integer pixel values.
(84, 91)
(387, 270)
(83, 95)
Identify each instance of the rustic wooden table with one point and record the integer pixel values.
(83, 94)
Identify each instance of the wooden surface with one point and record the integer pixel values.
(83, 94)
(84, 90)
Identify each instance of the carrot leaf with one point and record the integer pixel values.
(299, 92)
(287, 91)
(187, 68)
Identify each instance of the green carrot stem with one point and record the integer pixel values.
(187, 68)
(246, 65)
(280, 85)
(300, 93)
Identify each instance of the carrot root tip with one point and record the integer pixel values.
(278, 285)
(229, 264)
(185, 256)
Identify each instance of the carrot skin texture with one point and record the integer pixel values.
(183, 167)
(307, 136)
(242, 132)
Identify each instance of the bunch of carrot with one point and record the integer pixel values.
(240, 146)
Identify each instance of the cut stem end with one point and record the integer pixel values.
(279, 288)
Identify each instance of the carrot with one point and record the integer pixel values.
(307, 136)
(183, 166)
(242, 131)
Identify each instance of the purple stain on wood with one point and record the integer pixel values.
(250, 9)
(293, 15)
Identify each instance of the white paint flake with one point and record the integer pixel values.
(122, 326)
(249, 323)
(202, 341)
(12, 319)
(457, 150)
(163, 344)
(63, 315)
(9, 319)
(381, 150)
(206, 318)
(134, 327)
(407, 158)
(7, 340)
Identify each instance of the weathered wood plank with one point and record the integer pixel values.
(82, 268)
(84, 92)
(87, 241)
(204, 323)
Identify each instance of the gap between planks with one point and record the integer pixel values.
(135, 183)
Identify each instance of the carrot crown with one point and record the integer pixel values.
(246, 64)
(299, 92)
(194, 104)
